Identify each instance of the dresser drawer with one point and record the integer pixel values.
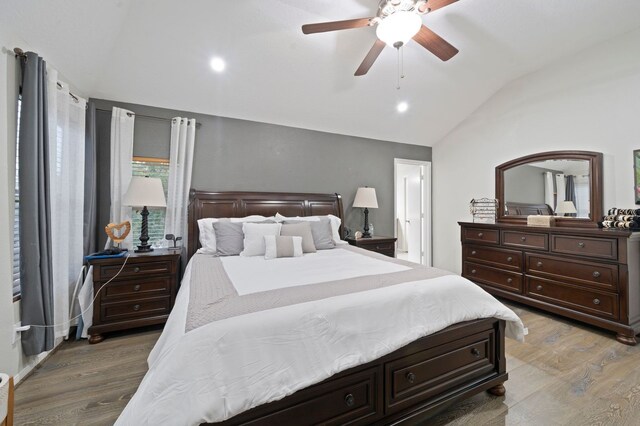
(351, 399)
(131, 309)
(525, 240)
(137, 289)
(133, 270)
(509, 281)
(577, 298)
(579, 272)
(490, 236)
(604, 248)
(507, 259)
(432, 371)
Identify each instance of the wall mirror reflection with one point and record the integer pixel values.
(557, 187)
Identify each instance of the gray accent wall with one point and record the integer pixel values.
(241, 155)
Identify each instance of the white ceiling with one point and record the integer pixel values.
(156, 52)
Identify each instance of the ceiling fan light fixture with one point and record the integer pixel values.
(397, 29)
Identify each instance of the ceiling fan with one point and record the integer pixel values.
(396, 22)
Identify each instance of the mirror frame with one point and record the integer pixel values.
(595, 177)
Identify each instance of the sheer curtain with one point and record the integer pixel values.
(549, 190)
(66, 117)
(582, 195)
(183, 134)
(122, 122)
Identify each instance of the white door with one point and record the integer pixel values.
(412, 206)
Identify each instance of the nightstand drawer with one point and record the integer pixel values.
(136, 289)
(134, 269)
(379, 246)
(119, 311)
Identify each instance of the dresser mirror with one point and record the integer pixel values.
(564, 184)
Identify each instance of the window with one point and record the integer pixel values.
(158, 168)
(16, 220)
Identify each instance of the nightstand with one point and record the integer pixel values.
(142, 294)
(382, 245)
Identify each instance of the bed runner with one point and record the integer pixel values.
(212, 296)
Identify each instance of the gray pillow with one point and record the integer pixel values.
(229, 237)
(300, 229)
(321, 232)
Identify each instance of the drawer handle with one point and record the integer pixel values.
(596, 274)
(136, 307)
(539, 288)
(410, 377)
(350, 400)
(523, 238)
(480, 235)
(473, 253)
(475, 352)
(136, 269)
(581, 244)
(509, 280)
(509, 259)
(539, 264)
(473, 271)
(378, 247)
(136, 287)
(596, 301)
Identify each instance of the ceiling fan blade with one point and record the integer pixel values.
(335, 25)
(432, 5)
(435, 44)
(370, 58)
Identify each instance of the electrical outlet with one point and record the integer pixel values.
(16, 333)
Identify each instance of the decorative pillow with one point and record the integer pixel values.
(254, 237)
(320, 231)
(335, 224)
(208, 236)
(229, 237)
(301, 229)
(288, 246)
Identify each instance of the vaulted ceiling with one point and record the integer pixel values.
(157, 52)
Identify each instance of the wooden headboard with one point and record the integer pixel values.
(526, 209)
(240, 204)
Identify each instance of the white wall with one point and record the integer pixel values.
(588, 101)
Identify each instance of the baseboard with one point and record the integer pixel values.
(35, 362)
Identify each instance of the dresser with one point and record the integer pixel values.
(143, 293)
(382, 245)
(587, 274)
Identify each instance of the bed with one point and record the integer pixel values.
(398, 352)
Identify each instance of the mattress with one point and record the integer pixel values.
(235, 341)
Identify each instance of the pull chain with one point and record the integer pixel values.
(400, 74)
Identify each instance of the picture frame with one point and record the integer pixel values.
(636, 173)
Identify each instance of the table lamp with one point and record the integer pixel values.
(366, 198)
(566, 207)
(144, 192)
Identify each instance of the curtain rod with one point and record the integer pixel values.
(20, 54)
(152, 117)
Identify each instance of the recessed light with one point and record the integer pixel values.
(217, 64)
(402, 107)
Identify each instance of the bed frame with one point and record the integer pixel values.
(405, 386)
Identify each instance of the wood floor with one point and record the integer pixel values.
(565, 374)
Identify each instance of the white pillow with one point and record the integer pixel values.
(335, 224)
(208, 235)
(254, 237)
(290, 246)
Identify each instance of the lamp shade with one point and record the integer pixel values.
(565, 207)
(366, 197)
(398, 27)
(144, 191)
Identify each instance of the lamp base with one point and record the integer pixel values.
(144, 249)
(366, 233)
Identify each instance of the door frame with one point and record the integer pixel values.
(426, 204)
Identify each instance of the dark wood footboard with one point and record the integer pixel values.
(408, 385)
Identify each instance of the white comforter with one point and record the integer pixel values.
(226, 367)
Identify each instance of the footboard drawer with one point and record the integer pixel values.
(349, 400)
(433, 371)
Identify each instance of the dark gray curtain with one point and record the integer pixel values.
(570, 193)
(90, 182)
(35, 214)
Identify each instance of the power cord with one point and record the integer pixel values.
(95, 296)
